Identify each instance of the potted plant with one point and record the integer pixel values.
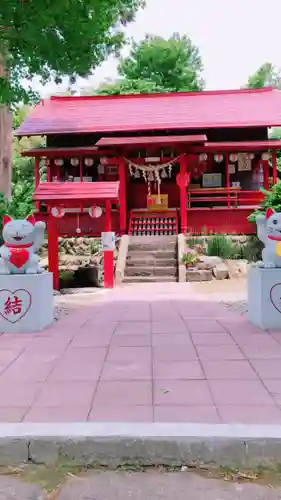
(190, 258)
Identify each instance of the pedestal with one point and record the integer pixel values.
(26, 302)
(264, 298)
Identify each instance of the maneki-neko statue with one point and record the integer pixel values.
(22, 239)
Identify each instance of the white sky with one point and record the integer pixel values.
(234, 37)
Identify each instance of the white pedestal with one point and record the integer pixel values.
(264, 298)
(26, 302)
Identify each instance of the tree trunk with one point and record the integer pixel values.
(5, 151)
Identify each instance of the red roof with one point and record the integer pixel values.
(236, 147)
(67, 191)
(147, 112)
(164, 139)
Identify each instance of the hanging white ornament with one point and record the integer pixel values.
(103, 160)
(47, 162)
(89, 162)
(100, 169)
(170, 170)
(58, 162)
(150, 177)
(218, 158)
(74, 161)
(233, 158)
(131, 171)
(265, 156)
(251, 156)
(144, 175)
(137, 173)
(95, 212)
(203, 157)
(57, 212)
(164, 174)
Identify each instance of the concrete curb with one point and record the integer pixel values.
(112, 444)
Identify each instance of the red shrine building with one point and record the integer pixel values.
(152, 164)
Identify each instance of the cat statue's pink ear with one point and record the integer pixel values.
(269, 212)
(6, 219)
(31, 219)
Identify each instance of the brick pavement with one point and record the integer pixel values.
(144, 353)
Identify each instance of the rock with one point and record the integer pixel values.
(207, 262)
(198, 274)
(220, 271)
(237, 268)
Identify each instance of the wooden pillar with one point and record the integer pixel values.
(265, 165)
(108, 255)
(53, 250)
(227, 179)
(183, 204)
(122, 196)
(37, 179)
(274, 167)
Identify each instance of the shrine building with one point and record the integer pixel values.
(152, 164)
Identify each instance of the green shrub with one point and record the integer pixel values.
(272, 199)
(221, 245)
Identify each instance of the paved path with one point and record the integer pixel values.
(139, 486)
(140, 354)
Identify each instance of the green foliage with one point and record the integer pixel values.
(174, 64)
(221, 245)
(266, 76)
(157, 65)
(123, 86)
(55, 38)
(272, 199)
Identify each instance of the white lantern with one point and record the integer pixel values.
(103, 160)
(100, 169)
(203, 157)
(137, 174)
(47, 162)
(58, 162)
(95, 212)
(57, 212)
(218, 158)
(233, 158)
(251, 156)
(74, 162)
(265, 156)
(89, 162)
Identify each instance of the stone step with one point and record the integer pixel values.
(145, 247)
(151, 271)
(147, 261)
(150, 279)
(151, 254)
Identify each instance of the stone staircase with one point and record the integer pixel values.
(151, 259)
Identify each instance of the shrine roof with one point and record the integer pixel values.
(78, 191)
(154, 112)
(159, 140)
(231, 146)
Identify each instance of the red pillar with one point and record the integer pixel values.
(274, 167)
(37, 179)
(53, 250)
(183, 204)
(108, 255)
(265, 165)
(122, 196)
(227, 179)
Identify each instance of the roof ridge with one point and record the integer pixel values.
(161, 94)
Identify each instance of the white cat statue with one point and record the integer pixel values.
(22, 239)
(269, 233)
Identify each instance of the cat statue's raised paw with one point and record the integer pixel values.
(22, 239)
(269, 233)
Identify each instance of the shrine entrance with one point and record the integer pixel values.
(95, 199)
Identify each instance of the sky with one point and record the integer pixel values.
(235, 37)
